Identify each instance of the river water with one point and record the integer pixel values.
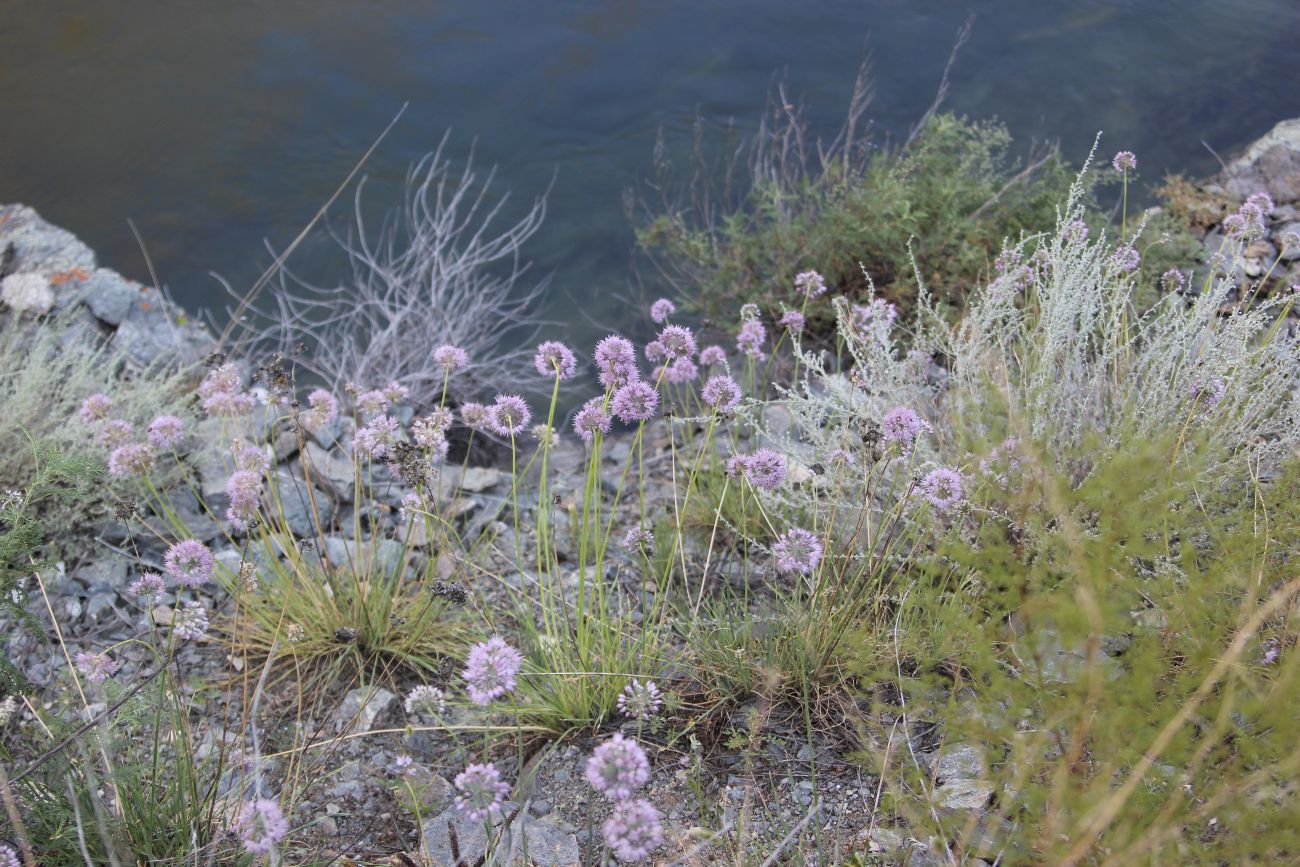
(214, 125)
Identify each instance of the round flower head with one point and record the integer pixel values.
(96, 667)
(8, 857)
(426, 701)
(640, 699)
(1076, 231)
(396, 392)
(166, 431)
(250, 458)
(616, 361)
(633, 830)
(639, 539)
(490, 669)
(432, 426)
(661, 310)
(372, 402)
(244, 490)
(942, 488)
(148, 584)
(375, 439)
(874, 319)
(189, 562)
(324, 409)
(842, 457)
(793, 321)
(133, 459)
(480, 791)
(191, 621)
(1209, 393)
(797, 551)
(228, 404)
(260, 824)
(508, 415)
(722, 393)
(411, 503)
(590, 420)
(545, 434)
(1126, 258)
(678, 342)
(114, 433)
(474, 415)
(713, 356)
(810, 284)
(617, 768)
(635, 402)
(901, 426)
(1173, 280)
(1124, 161)
(765, 469)
(681, 370)
(554, 360)
(750, 339)
(450, 358)
(655, 351)
(96, 407)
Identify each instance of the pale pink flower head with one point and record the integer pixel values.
(508, 415)
(148, 584)
(1126, 258)
(480, 791)
(554, 360)
(9, 857)
(491, 669)
(474, 415)
(222, 393)
(189, 563)
(244, 490)
(166, 432)
(618, 767)
(677, 341)
(641, 699)
(260, 825)
(635, 402)
(942, 487)
(191, 621)
(96, 667)
(426, 701)
(661, 310)
(96, 407)
(793, 321)
(324, 408)
(713, 356)
(450, 358)
(115, 432)
(375, 439)
(1209, 392)
(809, 284)
(797, 551)
(133, 459)
(639, 539)
(681, 370)
(633, 830)
(901, 427)
(1124, 161)
(1173, 280)
(592, 419)
(616, 361)
(765, 468)
(1076, 231)
(655, 351)
(722, 393)
(372, 402)
(396, 392)
(751, 339)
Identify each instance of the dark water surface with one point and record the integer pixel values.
(215, 123)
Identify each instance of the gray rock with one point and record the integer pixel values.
(431, 792)
(109, 295)
(367, 558)
(1271, 163)
(360, 708)
(536, 842)
(958, 760)
(334, 470)
(41, 246)
(154, 332)
(27, 293)
(300, 505)
(476, 480)
(959, 794)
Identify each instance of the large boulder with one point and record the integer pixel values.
(1271, 164)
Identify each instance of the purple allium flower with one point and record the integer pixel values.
(901, 426)
(191, 622)
(189, 562)
(681, 370)
(874, 319)
(750, 339)
(591, 419)
(450, 358)
(96, 407)
(480, 791)
(678, 341)
(793, 321)
(96, 667)
(260, 824)
(222, 392)
(324, 409)
(634, 402)
(1250, 221)
(1262, 201)
(616, 361)
(426, 701)
(372, 402)
(942, 487)
(166, 431)
(722, 393)
(640, 699)
(1076, 231)
(133, 459)
(490, 669)
(639, 539)
(403, 764)
(840, 456)
(712, 356)
(410, 503)
(396, 392)
(1124, 161)
(474, 415)
(8, 857)
(555, 360)
(810, 284)
(251, 459)
(508, 415)
(114, 433)
(1126, 258)
(617, 768)
(765, 469)
(244, 490)
(1209, 393)
(374, 439)
(1173, 280)
(661, 310)
(1006, 260)
(148, 584)
(797, 551)
(655, 351)
(431, 428)
(633, 830)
